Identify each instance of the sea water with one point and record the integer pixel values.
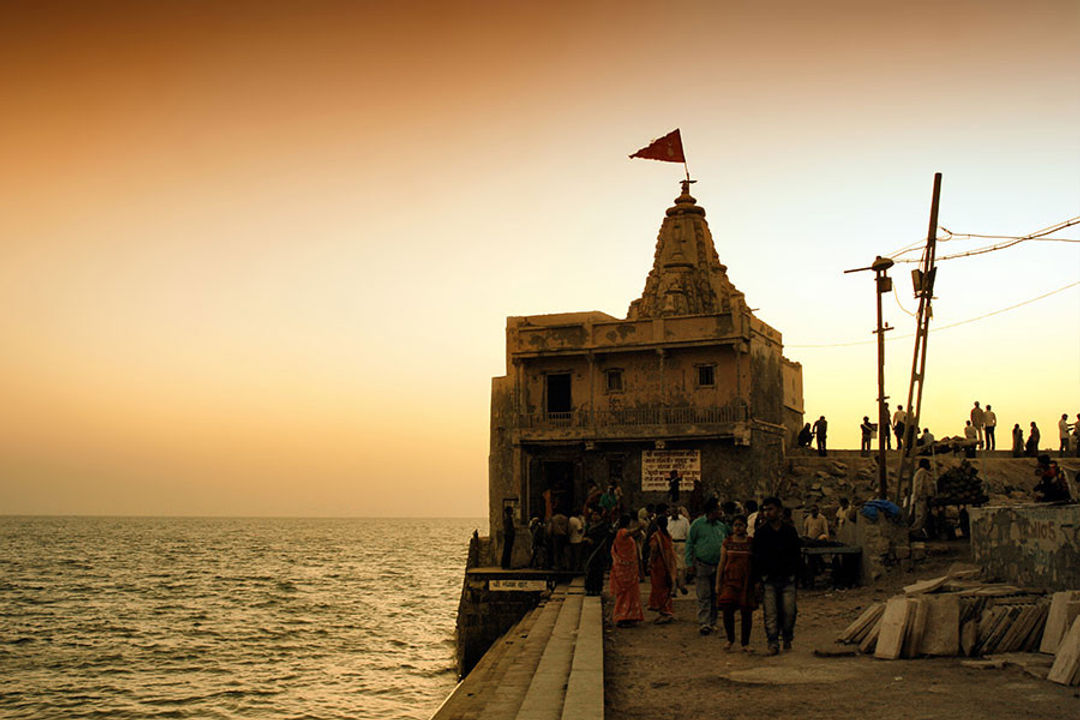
(228, 617)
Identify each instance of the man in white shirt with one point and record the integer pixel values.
(989, 423)
(899, 421)
(1063, 434)
(577, 537)
(678, 528)
(752, 518)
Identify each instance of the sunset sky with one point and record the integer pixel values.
(257, 256)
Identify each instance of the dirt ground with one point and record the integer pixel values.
(654, 671)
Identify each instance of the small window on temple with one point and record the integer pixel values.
(706, 375)
(614, 380)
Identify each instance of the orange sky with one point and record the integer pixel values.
(257, 256)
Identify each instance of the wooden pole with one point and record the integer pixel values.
(882, 285)
(925, 292)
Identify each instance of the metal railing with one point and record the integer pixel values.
(635, 416)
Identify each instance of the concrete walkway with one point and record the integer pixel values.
(550, 666)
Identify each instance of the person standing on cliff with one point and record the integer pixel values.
(867, 431)
(1063, 435)
(1034, 436)
(978, 419)
(1018, 441)
(989, 423)
(820, 429)
(703, 546)
(886, 428)
(776, 565)
(899, 421)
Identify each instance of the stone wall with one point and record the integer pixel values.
(1031, 545)
(484, 615)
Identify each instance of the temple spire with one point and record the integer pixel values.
(687, 277)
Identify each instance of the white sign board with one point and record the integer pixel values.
(656, 467)
(518, 585)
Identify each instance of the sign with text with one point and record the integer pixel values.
(656, 467)
(518, 585)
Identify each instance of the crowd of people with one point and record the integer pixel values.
(738, 561)
(980, 429)
(738, 556)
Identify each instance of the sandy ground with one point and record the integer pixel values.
(670, 671)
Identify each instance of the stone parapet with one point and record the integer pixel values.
(1031, 545)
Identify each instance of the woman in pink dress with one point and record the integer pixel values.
(624, 575)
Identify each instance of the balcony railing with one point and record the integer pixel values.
(634, 417)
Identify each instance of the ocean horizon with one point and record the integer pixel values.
(220, 617)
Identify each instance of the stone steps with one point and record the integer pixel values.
(547, 667)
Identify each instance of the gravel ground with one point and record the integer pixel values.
(654, 671)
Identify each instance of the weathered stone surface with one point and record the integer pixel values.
(1033, 545)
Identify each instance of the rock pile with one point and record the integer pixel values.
(960, 485)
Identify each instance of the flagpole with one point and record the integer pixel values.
(687, 169)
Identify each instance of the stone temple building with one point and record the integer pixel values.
(690, 380)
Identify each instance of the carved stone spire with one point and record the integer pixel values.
(687, 277)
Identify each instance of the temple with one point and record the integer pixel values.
(689, 381)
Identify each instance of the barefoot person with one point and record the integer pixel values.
(734, 584)
(624, 575)
(662, 571)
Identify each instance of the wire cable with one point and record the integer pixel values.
(944, 327)
(1039, 235)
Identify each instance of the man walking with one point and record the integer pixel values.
(899, 421)
(703, 545)
(989, 423)
(776, 564)
(886, 427)
(820, 429)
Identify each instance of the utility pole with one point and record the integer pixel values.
(882, 285)
(923, 281)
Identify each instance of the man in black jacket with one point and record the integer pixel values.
(776, 566)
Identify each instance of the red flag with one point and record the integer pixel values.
(667, 148)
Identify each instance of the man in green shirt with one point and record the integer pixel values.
(703, 545)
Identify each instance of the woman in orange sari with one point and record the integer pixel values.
(734, 585)
(624, 575)
(662, 572)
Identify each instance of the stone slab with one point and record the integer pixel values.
(890, 641)
(941, 635)
(1067, 659)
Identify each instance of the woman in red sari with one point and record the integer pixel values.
(662, 572)
(624, 575)
(734, 585)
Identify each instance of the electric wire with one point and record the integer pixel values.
(944, 327)
(1011, 240)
